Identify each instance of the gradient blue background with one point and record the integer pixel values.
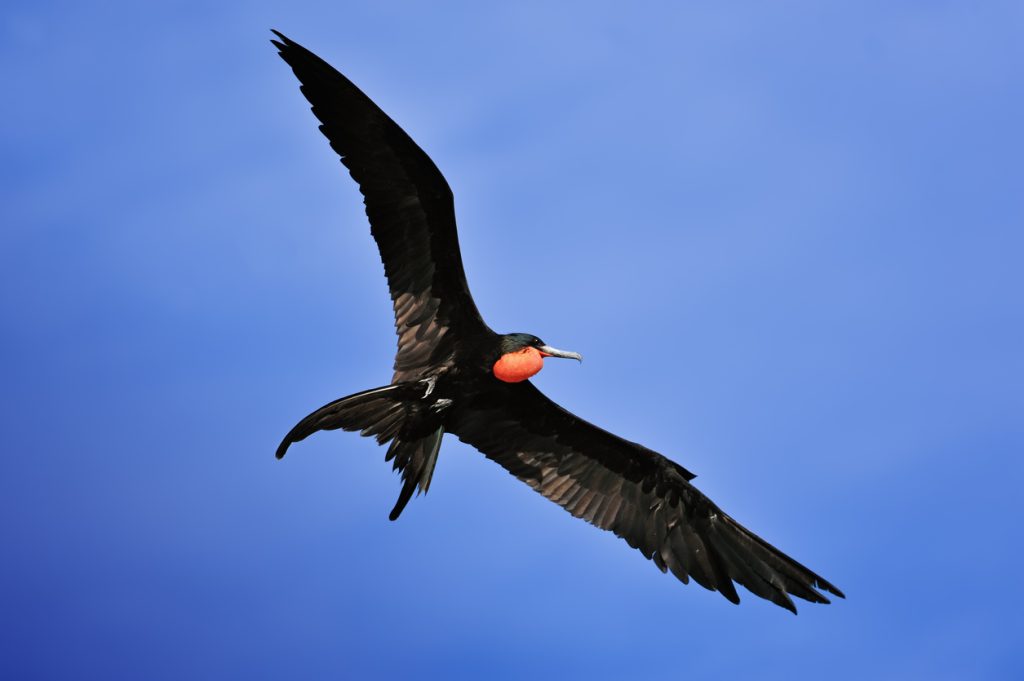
(787, 239)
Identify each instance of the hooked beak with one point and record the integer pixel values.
(548, 351)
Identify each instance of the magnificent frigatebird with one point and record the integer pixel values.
(453, 374)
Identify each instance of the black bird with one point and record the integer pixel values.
(453, 374)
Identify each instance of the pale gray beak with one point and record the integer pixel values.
(555, 352)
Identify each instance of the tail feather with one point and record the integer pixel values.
(378, 412)
(392, 413)
(416, 461)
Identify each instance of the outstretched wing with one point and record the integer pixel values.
(411, 211)
(636, 493)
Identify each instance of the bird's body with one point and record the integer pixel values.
(453, 374)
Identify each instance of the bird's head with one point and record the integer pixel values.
(521, 355)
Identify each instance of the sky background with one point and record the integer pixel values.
(788, 240)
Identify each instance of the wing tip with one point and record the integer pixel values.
(786, 602)
(285, 45)
(820, 583)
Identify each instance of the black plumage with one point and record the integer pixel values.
(455, 375)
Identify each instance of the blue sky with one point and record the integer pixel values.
(787, 239)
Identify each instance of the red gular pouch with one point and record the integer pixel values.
(513, 367)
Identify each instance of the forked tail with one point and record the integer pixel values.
(396, 413)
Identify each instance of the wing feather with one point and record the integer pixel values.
(411, 212)
(632, 491)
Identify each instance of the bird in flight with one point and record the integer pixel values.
(453, 374)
